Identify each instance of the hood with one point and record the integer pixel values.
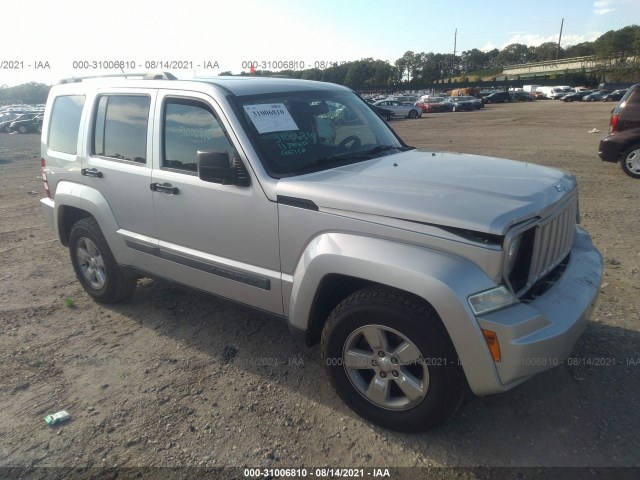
(472, 192)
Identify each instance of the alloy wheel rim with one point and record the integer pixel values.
(91, 263)
(633, 161)
(385, 367)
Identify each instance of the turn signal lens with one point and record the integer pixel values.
(492, 342)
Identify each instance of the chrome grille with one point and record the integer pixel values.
(553, 240)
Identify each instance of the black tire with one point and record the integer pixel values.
(413, 114)
(95, 266)
(22, 129)
(630, 161)
(405, 319)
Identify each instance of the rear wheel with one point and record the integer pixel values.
(413, 114)
(391, 361)
(631, 161)
(94, 264)
(22, 129)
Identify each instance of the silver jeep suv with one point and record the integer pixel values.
(293, 197)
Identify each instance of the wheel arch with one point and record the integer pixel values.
(67, 217)
(74, 202)
(334, 265)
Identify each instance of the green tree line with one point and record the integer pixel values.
(29, 93)
(416, 69)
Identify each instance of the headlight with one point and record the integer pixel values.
(490, 300)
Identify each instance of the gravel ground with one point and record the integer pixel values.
(176, 378)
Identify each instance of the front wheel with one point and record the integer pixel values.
(391, 361)
(631, 161)
(413, 114)
(94, 264)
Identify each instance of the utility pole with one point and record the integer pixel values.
(453, 63)
(559, 39)
(455, 40)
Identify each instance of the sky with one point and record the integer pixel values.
(64, 38)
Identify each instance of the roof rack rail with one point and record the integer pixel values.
(143, 75)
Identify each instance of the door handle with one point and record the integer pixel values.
(91, 172)
(164, 188)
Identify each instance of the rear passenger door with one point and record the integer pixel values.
(118, 164)
(219, 238)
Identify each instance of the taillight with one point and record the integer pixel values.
(43, 166)
(613, 123)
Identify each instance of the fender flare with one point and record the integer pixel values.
(443, 280)
(90, 200)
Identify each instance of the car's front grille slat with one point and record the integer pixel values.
(554, 241)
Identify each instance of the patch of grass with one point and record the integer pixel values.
(69, 302)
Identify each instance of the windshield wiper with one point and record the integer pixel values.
(358, 154)
(339, 157)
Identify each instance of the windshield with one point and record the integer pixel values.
(302, 132)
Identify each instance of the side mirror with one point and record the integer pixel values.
(215, 167)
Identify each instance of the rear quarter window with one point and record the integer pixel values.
(632, 97)
(65, 123)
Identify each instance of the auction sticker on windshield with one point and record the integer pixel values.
(271, 117)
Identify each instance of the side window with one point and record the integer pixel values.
(190, 126)
(65, 122)
(120, 127)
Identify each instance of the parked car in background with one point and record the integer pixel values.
(498, 97)
(595, 96)
(403, 98)
(575, 96)
(400, 109)
(521, 97)
(458, 104)
(623, 142)
(383, 112)
(432, 105)
(477, 102)
(6, 119)
(31, 125)
(540, 96)
(614, 96)
(5, 126)
(557, 94)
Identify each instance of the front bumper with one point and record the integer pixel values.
(540, 335)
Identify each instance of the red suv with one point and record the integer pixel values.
(623, 141)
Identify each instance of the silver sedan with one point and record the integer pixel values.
(400, 109)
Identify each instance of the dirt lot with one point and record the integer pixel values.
(175, 378)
